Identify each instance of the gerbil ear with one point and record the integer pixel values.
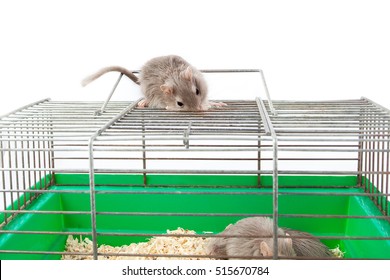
(187, 74)
(167, 89)
(265, 250)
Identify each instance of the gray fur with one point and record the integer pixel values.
(167, 82)
(310, 247)
(257, 227)
(171, 71)
(236, 247)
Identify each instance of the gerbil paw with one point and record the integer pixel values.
(142, 104)
(217, 104)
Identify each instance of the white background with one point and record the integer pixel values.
(307, 49)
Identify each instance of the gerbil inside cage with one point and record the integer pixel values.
(128, 174)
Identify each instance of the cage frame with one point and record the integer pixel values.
(267, 112)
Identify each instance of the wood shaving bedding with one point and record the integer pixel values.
(156, 245)
(337, 252)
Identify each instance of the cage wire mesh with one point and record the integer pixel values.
(126, 175)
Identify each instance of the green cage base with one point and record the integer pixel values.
(174, 194)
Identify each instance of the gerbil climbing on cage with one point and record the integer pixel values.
(128, 174)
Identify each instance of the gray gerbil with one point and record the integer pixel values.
(258, 246)
(167, 82)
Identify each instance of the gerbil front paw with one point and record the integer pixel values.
(142, 104)
(216, 104)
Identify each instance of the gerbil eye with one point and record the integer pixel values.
(197, 91)
(180, 104)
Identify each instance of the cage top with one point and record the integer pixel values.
(328, 118)
(241, 118)
(65, 120)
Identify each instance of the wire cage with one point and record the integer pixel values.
(126, 175)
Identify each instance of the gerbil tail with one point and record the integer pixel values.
(105, 70)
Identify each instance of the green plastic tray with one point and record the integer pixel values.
(337, 196)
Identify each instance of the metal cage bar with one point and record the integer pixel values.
(92, 171)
